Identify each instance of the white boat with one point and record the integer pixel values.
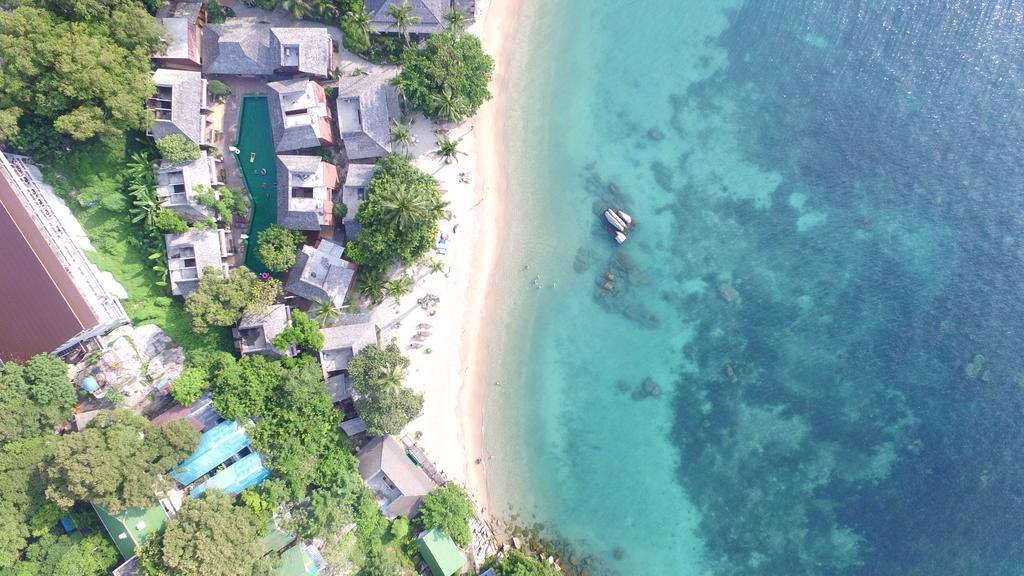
(624, 217)
(614, 220)
(619, 237)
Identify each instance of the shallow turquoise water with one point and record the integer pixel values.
(824, 285)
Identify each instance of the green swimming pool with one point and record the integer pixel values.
(256, 162)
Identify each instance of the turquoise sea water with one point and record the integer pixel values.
(824, 290)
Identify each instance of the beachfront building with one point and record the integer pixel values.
(429, 14)
(367, 106)
(184, 33)
(305, 188)
(194, 253)
(180, 107)
(246, 48)
(440, 553)
(130, 529)
(246, 472)
(353, 192)
(256, 331)
(177, 186)
(341, 343)
(302, 559)
(52, 298)
(321, 274)
(299, 116)
(226, 443)
(398, 484)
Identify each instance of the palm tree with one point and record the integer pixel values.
(325, 10)
(371, 286)
(362, 20)
(436, 266)
(325, 312)
(448, 149)
(449, 105)
(393, 374)
(404, 206)
(401, 135)
(399, 287)
(403, 19)
(456, 21)
(140, 168)
(297, 8)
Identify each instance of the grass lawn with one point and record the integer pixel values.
(89, 179)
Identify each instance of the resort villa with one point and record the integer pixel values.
(225, 443)
(321, 274)
(176, 186)
(299, 116)
(429, 14)
(256, 331)
(184, 37)
(60, 301)
(130, 529)
(179, 107)
(194, 253)
(367, 106)
(440, 553)
(305, 187)
(353, 193)
(240, 48)
(396, 481)
(341, 343)
(302, 559)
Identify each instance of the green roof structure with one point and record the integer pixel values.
(276, 539)
(131, 528)
(301, 560)
(440, 552)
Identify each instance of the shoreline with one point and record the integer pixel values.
(500, 25)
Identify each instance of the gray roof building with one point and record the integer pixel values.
(246, 48)
(430, 14)
(353, 192)
(321, 274)
(398, 484)
(341, 343)
(256, 331)
(194, 253)
(299, 116)
(367, 104)
(176, 185)
(305, 187)
(179, 106)
(184, 43)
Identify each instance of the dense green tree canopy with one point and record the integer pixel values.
(448, 79)
(34, 397)
(450, 509)
(515, 563)
(384, 403)
(220, 301)
(303, 332)
(277, 247)
(209, 536)
(72, 69)
(75, 554)
(22, 501)
(241, 389)
(189, 386)
(117, 462)
(399, 217)
(177, 149)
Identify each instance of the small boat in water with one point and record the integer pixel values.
(626, 218)
(612, 218)
(619, 236)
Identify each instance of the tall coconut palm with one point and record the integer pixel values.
(140, 168)
(325, 312)
(399, 287)
(456, 21)
(371, 286)
(404, 19)
(402, 136)
(403, 206)
(297, 8)
(449, 105)
(362, 20)
(448, 149)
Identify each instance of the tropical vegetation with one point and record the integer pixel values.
(221, 300)
(304, 333)
(277, 247)
(450, 509)
(377, 375)
(34, 397)
(399, 217)
(177, 149)
(447, 80)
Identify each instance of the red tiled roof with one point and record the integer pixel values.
(40, 307)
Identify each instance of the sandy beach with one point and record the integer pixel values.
(443, 340)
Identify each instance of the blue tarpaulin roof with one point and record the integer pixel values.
(217, 445)
(248, 471)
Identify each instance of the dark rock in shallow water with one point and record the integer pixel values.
(584, 260)
(655, 134)
(651, 387)
(622, 386)
(619, 553)
(728, 293)
(638, 395)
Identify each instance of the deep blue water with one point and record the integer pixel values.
(826, 284)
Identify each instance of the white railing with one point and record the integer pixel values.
(16, 169)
